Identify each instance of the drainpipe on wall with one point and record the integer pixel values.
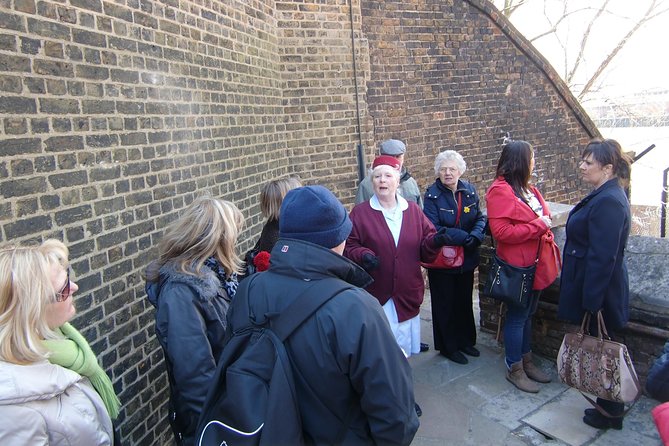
(359, 150)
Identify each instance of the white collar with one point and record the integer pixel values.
(402, 204)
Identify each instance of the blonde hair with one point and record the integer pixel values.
(25, 292)
(273, 193)
(208, 227)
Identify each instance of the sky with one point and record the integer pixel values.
(641, 67)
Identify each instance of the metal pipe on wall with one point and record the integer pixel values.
(360, 153)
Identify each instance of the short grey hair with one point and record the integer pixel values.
(395, 172)
(450, 155)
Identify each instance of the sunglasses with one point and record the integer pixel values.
(64, 293)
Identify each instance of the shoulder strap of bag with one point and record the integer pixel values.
(301, 309)
(293, 315)
(536, 260)
(305, 305)
(457, 219)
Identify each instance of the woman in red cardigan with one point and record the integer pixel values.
(520, 222)
(390, 238)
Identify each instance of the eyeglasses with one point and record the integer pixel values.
(447, 169)
(64, 293)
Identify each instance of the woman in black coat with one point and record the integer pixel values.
(594, 274)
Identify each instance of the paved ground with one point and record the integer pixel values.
(473, 404)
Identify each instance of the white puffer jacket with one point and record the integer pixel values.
(45, 404)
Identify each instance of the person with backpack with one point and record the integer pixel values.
(344, 375)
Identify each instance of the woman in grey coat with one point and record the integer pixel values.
(52, 390)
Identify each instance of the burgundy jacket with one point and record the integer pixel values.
(399, 273)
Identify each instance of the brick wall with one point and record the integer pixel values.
(456, 75)
(114, 115)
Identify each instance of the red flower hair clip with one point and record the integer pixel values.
(261, 261)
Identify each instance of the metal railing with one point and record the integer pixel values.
(664, 195)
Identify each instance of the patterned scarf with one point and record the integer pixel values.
(75, 354)
(229, 283)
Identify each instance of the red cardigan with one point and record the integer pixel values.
(399, 273)
(517, 231)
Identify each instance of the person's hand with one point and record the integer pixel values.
(369, 261)
(471, 242)
(440, 238)
(547, 220)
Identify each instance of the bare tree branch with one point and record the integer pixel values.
(584, 42)
(650, 13)
(510, 6)
(560, 15)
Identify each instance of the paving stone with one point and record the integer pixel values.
(473, 404)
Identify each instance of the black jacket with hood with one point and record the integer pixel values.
(344, 357)
(190, 327)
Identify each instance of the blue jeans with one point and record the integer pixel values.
(518, 330)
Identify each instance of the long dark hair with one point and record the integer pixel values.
(609, 151)
(514, 165)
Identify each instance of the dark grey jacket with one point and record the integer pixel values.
(657, 382)
(190, 327)
(345, 358)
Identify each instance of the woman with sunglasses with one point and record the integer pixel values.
(52, 390)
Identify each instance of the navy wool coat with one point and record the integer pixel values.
(441, 207)
(594, 274)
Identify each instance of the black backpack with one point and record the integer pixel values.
(252, 400)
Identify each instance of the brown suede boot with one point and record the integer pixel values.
(532, 371)
(516, 376)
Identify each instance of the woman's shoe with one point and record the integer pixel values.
(532, 371)
(516, 376)
(456, 357)
(599, 421)
(590, 412)
(471, 351)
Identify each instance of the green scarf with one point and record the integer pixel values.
(75, 354)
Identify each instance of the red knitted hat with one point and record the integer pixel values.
(386, 160)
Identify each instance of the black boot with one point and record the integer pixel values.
(595, 419)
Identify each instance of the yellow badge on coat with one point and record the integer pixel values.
(466, 209)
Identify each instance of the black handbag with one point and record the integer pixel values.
(510, 284)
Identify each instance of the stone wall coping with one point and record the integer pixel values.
(647, 260)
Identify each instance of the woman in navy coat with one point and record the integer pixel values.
(594, 274)
(447, 201)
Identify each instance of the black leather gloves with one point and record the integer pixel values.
(472, 242)
(440, 238)
(370, 262)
